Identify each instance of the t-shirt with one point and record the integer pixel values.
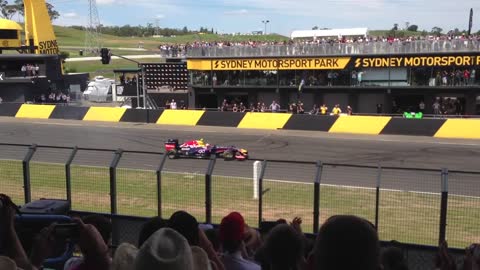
(236, 262)
(323, 110)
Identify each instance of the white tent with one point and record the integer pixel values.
(347, 32)
(99, 90)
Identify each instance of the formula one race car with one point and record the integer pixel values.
(200, 149)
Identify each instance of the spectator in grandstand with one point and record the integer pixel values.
(1, 100)
(345, 243)
(314, 110)
(235, 107)
(224, 106)
(421, 107)
(252, 108)
(336, 110)
(173, 105)
(263, 107)
(300, 107)
(242, 108)
(323, 109)
(24, 70)
(232, 233)
(354, 78)
(274, 107)
(380, 108)
(436, 107)
(349, 110)
(360, 77)
(472, 76)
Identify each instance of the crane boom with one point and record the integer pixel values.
(38, 28)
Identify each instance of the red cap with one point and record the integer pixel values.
(232, 227)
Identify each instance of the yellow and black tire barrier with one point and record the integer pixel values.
(374, 125)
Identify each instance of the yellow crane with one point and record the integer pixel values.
(39, 35)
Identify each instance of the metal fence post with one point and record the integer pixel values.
(68, 175)
(113, 181)
(26, 173)
(443, 206)
(260, 191)
(159, 184)
(377, 196)
(208, 190)
(316, 197)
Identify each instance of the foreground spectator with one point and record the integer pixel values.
(188, 227)
(392, 259)
(346, 243)
(150, 227)
(104, 228)
(284, 249)
(165, 249)
(232, 233)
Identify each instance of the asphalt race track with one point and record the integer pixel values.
(389, 151)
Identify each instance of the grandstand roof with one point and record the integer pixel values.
(9, 25)
(329, 33)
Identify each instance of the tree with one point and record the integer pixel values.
(436, 30)
(395, 27)
(7, 11)
(413, 28)
(315, 28)
(19, 7)
(185, 30)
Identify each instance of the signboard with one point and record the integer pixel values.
(334, 63)
(270, 63)
(417, 61)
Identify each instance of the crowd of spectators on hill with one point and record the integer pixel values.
(181, 243)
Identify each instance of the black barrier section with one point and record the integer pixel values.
(222, 119)
(67, 112)
(414, 127)
(310, 122)
(135, 116)
(154, 115)
(9, 109)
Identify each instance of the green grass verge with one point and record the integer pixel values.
(404, 216)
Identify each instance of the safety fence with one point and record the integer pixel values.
(411, 47)
(410, 205)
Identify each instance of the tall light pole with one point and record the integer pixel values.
(265, 23)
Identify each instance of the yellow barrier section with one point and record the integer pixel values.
(460, 128)
(264, 120)
(35, 111)
(360, 124)
(180, 117)
(104, 114)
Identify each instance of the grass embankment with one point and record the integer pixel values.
(404, 216)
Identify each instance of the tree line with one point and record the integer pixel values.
(146, 31)
(10, 9)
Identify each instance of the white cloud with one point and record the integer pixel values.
(70, 15)
(160, 16)
(106, 2)
(236, 12)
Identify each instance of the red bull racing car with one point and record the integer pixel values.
(200, 149)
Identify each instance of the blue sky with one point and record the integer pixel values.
(229, 16)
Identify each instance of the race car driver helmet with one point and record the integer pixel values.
(201, 142)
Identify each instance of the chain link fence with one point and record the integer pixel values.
(405, 204)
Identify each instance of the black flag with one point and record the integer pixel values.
(470, 24)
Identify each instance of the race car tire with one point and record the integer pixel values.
(172, 154)
(228, 155)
